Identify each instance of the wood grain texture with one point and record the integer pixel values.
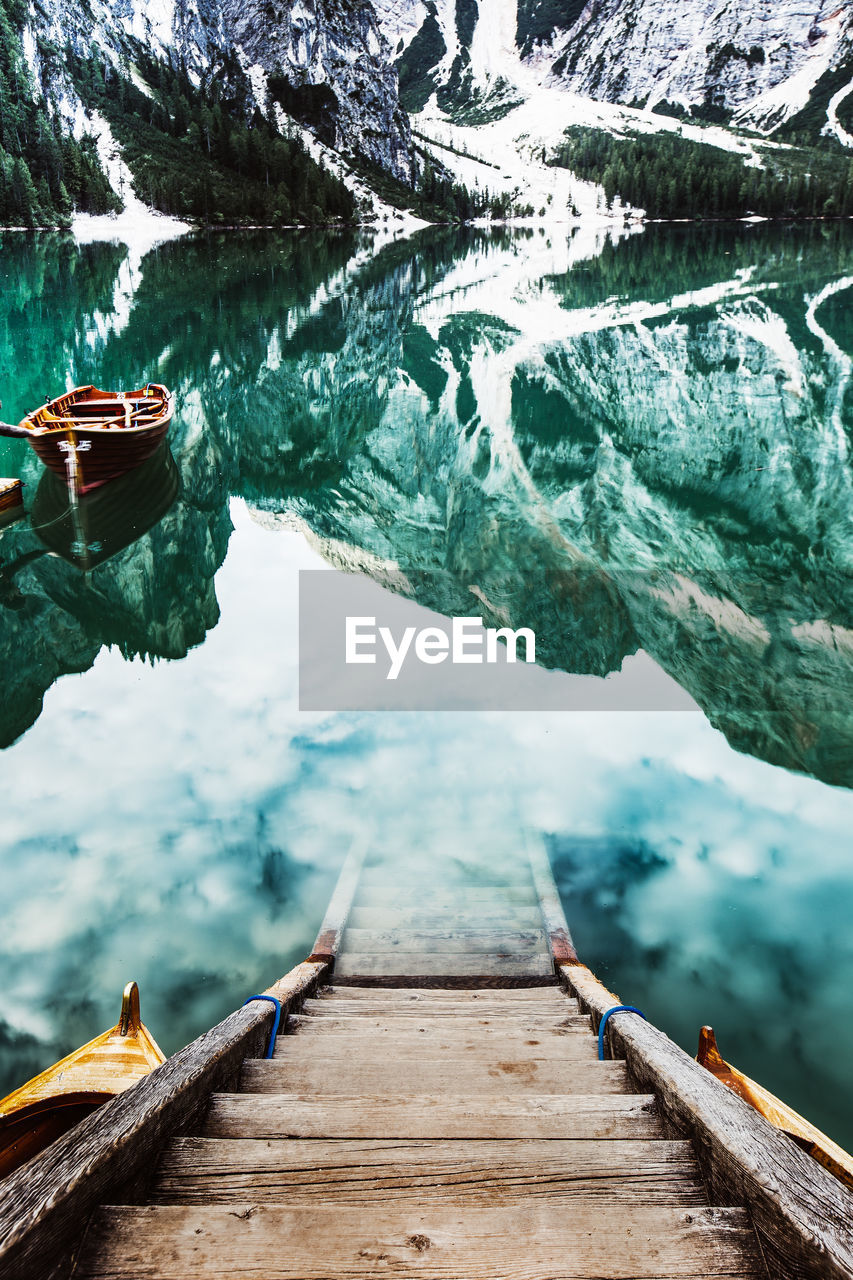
(448, 982)
(442, 898)
(391, 1072)
(327, 942)
(801, 1213)
(321, 1241)
(506, 919)
(441, 939)
(44, 1204)
(409, 964)
(404, 999)
(324, 1012)
(295, 1115)
(357, 1171)
(312, 1026)
(560, 939)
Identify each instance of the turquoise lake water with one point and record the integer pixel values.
(464, 411)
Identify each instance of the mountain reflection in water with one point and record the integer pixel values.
(667, 417)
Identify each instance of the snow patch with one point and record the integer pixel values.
(845, 138)
(137, 226)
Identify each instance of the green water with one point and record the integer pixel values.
(515, 413)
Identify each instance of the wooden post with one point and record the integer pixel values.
(556, 925)
(334, 921)
(45, 1204)
(802, 1214)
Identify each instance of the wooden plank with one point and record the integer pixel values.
(442, 940)
(357, 1171)
(319, 1241)
(801, 1213)
(511, 1024)
(437, 1038)
(44, 1204)
(327, 942)
(405, 998)
(509, 920)
(441, 898)
(562, 947)
(413, 964)
(573, 1025)
(295, 1115)
(449, 982)
(440, 871)
(502, 1071)
(324, 1012)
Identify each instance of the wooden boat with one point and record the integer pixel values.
(90, 529)
(48, 1105)
(90, 436)
(426, 1096)
(817, 1144)
(11, 501)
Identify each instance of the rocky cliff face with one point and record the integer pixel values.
(759, 63)
(640, 445)
(759, 60)
(332, 71)
(331, 65)
(667, 470)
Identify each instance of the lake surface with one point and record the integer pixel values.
(639, 447)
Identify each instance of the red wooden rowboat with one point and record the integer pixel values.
(90, 436)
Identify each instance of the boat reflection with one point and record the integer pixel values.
(99, 524)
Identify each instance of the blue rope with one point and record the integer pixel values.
(617, 1008)
(276, 1020)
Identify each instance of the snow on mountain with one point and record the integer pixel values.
(490, 85)
(759, 61)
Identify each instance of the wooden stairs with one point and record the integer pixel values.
(434, 1107)
(439, 1112)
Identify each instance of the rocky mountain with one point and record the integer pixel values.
(482, 91)
(757, 63)
(331, 65)
(630, 445)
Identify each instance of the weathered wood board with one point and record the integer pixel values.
(521, 964)
(360, 1171)
(323, 1241)
(241, 1115)
(394, 1073)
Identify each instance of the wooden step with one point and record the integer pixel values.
(443, 940)
(315, 1012)
(404, 997)
(445, 1115)
(408, 894)
(359, 1171)
(510, 1024)
(503, 1071)
(415, 1037)
(386, 1001)
(506, 922)
(317, 1242)
(447, 871)
(415, 964)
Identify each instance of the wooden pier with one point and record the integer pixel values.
(434, 1107)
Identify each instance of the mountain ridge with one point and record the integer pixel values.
(479, 93)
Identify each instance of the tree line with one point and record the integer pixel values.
(45, 173)
(207, 152)
(674, 177)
